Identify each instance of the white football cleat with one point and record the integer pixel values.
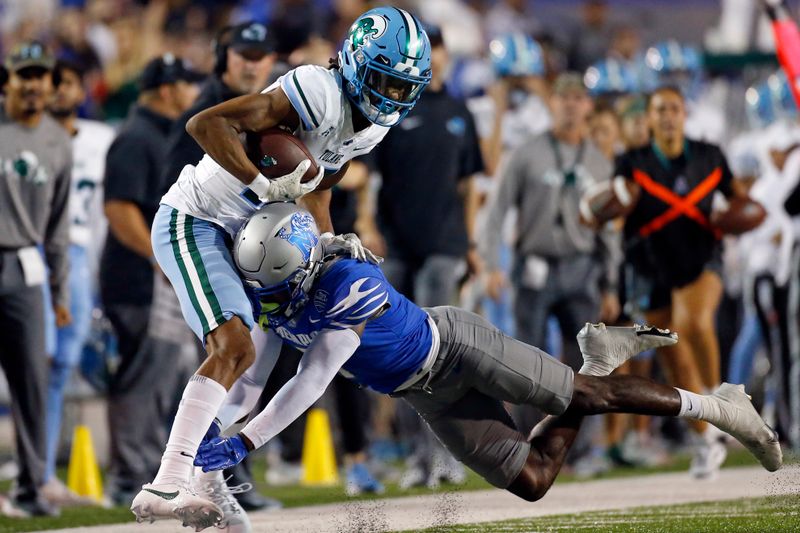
(172, 500)
(212, 484)
(605, 348)
(736, 416)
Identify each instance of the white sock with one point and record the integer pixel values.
(201, 400)
(691, 404)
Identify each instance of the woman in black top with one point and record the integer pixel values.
(674, 251)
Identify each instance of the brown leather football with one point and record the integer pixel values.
(741, 216)
(608, 200)
(277, 152)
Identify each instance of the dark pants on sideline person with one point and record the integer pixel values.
(131, 465)
(567, 289)
(24, 361)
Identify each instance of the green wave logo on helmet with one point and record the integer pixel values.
(369, 27)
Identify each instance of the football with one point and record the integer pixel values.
(608, 200)
(741, 216)
(277, 152)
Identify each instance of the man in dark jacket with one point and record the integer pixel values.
(132, 194)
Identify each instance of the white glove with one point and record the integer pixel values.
(348, 243)
(288, 187)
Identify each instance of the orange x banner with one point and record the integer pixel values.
(680, 205)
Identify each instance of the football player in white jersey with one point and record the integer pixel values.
(90, 142)
(339, 113)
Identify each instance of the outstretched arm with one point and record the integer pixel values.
(319, 365)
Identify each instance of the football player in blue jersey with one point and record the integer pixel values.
(452, 366)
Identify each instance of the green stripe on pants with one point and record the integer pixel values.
(176, 250)
(208, 290)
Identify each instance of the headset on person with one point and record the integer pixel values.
(219, 45)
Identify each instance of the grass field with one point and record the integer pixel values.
(297, 496)
(757, 515)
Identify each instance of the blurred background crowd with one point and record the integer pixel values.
(528, 88)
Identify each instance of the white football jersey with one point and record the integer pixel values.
(209, 192)
(89, 148)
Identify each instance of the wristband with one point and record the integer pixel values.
(260, 186)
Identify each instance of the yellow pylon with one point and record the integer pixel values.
(83, 474)
(319, 460)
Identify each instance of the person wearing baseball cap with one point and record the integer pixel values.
(167, 70)
(126, 277)
(35, 168)
(562, 268)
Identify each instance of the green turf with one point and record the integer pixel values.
(757, 515)
(296, 496)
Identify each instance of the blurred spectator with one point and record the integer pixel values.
(560, 268)
(681, 65)
(460, 23)
(605, 133)
(139, 38)
(344, 13)
(511, 16)
(427, 255)
(513, 109)
(245, 55)
(90, 142)
(633, 121)
(73, 45)
(98, 15)
(132, 194)
(34, 212)
(590, 37)
(623, 70)
(772, 259)
(746, 166)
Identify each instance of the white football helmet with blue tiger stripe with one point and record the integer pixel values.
(278, 252)
(385, 61)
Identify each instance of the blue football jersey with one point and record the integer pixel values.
(393, 346)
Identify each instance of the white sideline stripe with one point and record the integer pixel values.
(194, 277)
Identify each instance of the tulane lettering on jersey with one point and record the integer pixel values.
(209, 192)
(331, 157)
(396, 339)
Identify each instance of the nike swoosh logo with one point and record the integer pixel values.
(187, 455)
(165, 495)
(314, 321)
(358, 148)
